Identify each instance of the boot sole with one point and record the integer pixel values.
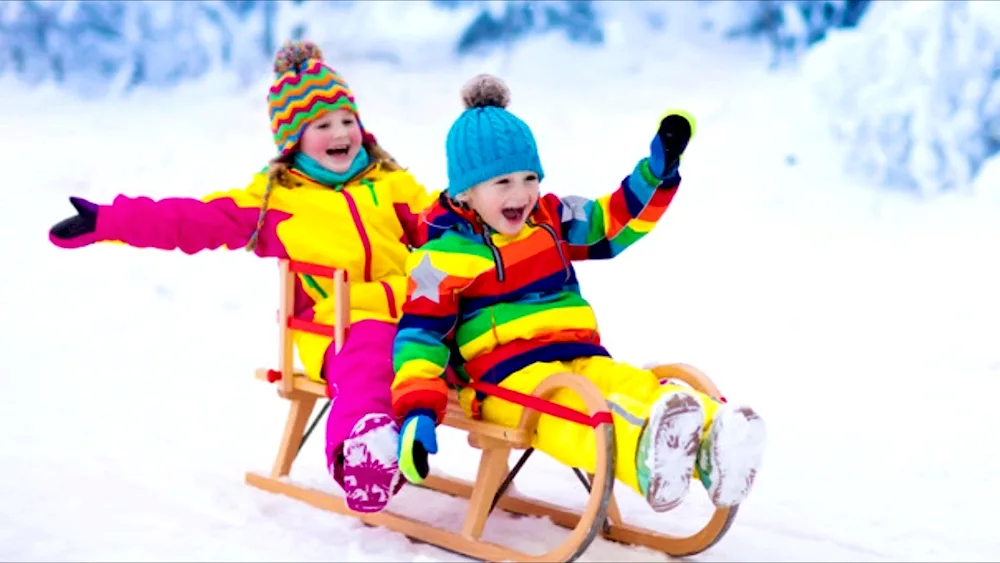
(369, 455)
(676, 420)
(738, 435)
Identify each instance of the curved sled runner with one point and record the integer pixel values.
(600, 516)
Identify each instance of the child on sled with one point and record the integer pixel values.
(332, 196)
(496, 286)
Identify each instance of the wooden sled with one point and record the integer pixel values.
(490, 490)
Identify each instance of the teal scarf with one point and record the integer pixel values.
(325, 176)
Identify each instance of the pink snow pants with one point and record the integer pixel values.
(360, 379)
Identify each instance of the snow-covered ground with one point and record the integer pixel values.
(863, 325)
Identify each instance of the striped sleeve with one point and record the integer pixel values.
(603, 228)
(436, 277)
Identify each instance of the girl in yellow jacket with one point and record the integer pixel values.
(494, 293)
(332, 197)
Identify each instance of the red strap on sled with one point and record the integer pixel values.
(527, 401)
(311, 327)
(542, 405)
(311, 269)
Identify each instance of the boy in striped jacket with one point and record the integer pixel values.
(494, 294)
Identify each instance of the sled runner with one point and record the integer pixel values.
(490, 491)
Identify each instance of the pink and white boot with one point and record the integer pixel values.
(371, 470)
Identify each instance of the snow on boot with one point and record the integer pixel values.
(667, 449)
(371, 470)
(731, 454)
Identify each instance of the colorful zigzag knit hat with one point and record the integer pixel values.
(303, 90)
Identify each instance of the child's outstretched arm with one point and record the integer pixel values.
(421, 353)
(603, 228)
(224, 219)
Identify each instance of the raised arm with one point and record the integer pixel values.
(223, 219)
(603, 228)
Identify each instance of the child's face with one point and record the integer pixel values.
(333, 140)
(504, 202)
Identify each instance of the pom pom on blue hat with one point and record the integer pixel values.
(486, 140)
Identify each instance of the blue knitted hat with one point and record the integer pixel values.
(487, 141)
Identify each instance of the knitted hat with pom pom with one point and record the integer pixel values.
(486, 140)
(303, 90)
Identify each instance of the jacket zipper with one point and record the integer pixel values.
(555, 238)
(497, 259)
(365, 241)
(367, 244)
(391, 298)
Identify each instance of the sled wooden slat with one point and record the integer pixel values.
(493, 468)
(600, 516)
(392, 521)
(618, 531)
(454, 416)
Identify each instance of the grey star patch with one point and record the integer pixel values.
(428, 280)
(574, 208)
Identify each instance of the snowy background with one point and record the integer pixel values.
(831, 259)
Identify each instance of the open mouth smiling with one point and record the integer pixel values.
(514, 213)
(339, 150)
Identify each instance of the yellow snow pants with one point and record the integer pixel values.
(630, 392)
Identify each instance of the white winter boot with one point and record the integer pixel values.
(731, 454)
(667, 450)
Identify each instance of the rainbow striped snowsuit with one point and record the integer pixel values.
(508, 310)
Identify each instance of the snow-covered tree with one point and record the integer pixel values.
(914, 91)
(792, 26)
(99, 46)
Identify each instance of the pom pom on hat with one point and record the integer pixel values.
(490, 141)
(293, 54)
(485, 90)
(304, 89)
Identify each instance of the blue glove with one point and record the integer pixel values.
(417, 439)
(665, 151)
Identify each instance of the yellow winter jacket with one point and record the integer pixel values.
(366, 227)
